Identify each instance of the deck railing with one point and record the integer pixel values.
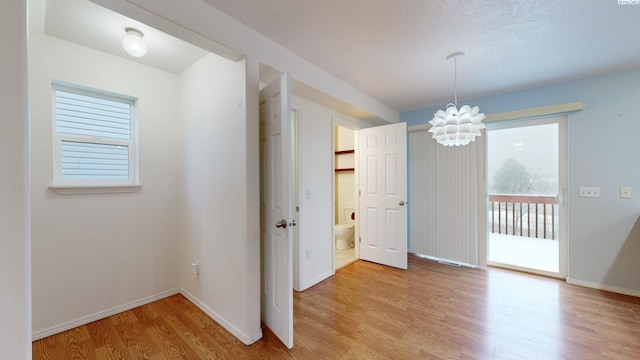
(524, 215)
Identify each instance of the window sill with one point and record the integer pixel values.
(94, 189)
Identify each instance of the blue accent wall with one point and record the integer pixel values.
(590, 90)
(604, 151)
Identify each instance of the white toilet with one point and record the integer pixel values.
(344, 232)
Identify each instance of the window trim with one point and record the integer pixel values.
(94, 189)
(63, 186)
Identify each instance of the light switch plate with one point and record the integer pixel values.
(625, 192)
(589, 192)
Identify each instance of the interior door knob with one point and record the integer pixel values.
(293, 223)
(281, 224)
(401, 203)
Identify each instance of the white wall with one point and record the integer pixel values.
(316, 175)
(95, 254)
(214, 210)
(345, 185)
(187, 18)
(15, 297)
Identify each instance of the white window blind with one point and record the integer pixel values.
(86, 115)
(94, 137)
(83, 161)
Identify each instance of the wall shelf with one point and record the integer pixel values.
(342, 152)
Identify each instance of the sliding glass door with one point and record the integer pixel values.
(526, 180)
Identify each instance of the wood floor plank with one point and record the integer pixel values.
(195, 337)
(49, 348)
(369, 311)
(114, 346)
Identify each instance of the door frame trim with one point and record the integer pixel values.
(337, 121)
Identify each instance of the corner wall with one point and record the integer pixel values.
(315, 155)
(604, 233)
(214, 211)
(99, 254)
(15, 264)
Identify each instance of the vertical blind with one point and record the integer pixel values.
(443, 185)
(422, 189)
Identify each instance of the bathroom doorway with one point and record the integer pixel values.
(344, 193)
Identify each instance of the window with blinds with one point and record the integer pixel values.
(94, 137)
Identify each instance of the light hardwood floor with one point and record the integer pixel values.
(368, 311)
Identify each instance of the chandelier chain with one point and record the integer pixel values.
(455, 81)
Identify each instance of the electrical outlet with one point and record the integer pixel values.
(589, 192)
(625, 192)
(195, 269)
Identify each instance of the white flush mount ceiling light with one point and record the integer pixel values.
(453, 127)
(133, 43)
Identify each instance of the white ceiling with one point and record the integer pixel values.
(90, 25)
(395, 50)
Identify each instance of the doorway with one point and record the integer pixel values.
(526, 180)
(344, 194)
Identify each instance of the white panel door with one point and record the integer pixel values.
(383, 194)
(277, 270)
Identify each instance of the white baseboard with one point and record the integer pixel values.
(37, 335)
(604, 287)
(317, 280)
(445, 261)
(246, 339)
